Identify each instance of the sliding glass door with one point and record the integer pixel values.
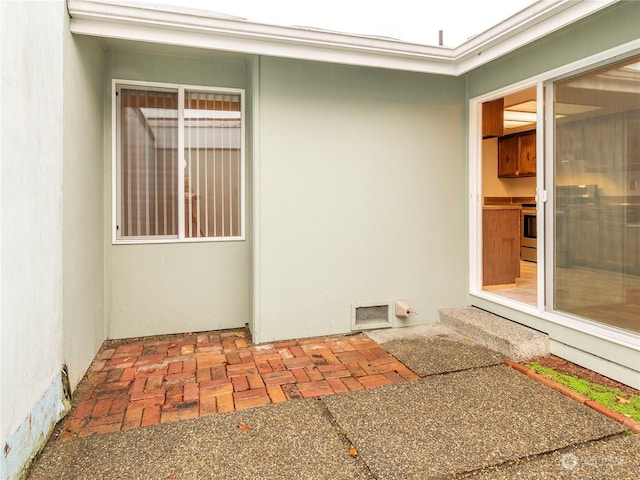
(596, 188)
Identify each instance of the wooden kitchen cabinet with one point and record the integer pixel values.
(517, 155)
(493, 118)
(610, 143)
(569, 142)
(604, 143)
(507, 156)
(527, 154)
(500, 245)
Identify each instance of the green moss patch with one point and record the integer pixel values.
(610, 397)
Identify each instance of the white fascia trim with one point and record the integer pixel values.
(201, 29)
(533, 23)
(193, 28)
(264, 46)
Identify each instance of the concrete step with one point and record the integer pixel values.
(511, 339)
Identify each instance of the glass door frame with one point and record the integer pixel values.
(544, 83)
(476, 196)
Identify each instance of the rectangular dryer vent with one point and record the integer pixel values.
(366, 316)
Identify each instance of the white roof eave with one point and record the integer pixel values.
(200, 29)
(530, 24)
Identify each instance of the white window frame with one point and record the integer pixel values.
(115, 163)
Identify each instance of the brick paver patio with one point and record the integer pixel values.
(152, 381)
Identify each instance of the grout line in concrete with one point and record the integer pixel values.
(357, 458)
(527, 458)
(460, 370)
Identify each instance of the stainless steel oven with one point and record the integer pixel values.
(528, 233)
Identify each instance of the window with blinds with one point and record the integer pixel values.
(180, 164)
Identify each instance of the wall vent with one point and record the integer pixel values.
(370, 315)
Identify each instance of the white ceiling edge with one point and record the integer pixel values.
(201, 29)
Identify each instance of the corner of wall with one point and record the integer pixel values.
(83, 202)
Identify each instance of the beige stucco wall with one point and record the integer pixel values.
(31, 217)
(361, 191)
(31, 180)
(83, 175)
(168, 288)
(354, 167)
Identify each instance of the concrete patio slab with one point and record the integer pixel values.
(288, 440)
(461, 422)
(434, 348)
(431, 356)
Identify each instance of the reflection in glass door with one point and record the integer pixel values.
(597, 195)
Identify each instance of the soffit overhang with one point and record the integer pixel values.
(210, 31)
